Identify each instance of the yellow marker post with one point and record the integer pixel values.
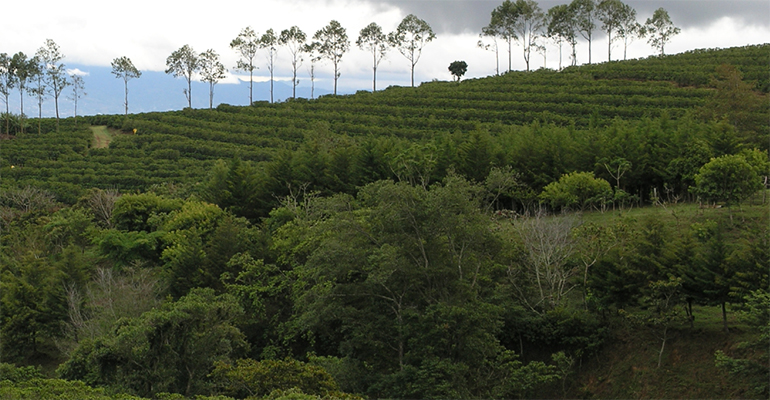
(134, 131)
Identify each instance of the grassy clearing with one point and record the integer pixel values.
(102, 137)
(627, 367)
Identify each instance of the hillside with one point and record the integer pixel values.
(599, 232)
(180, 146)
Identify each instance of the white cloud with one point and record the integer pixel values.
(77, 71)
(91, 32)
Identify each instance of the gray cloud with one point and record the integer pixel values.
(457, 16)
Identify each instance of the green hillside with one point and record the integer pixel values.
(598, 232)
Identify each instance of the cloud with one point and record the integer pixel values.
(457, 16)
(77, 71)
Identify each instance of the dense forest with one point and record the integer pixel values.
(506, 237)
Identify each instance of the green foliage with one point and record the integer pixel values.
(172, 348)
(578, 190)
(458, 69)
(753, 364)
(12, 373)
(250, 378)
(56, 389)
(730, 179)
(134, 212)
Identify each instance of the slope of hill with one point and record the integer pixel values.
(180, 146)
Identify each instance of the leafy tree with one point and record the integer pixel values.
(332, 43)
(585, 14)
(628, 27)
(458, 69)
(41, 89)
(611, 13)
(50, 56)
(24, 69)
(659, 29)
(269, 41)
(756, 313)
(123, 68)
(31, 306)
(579, 189)
(560, 26)
(7, 80)
(246, 45)
(78, 89)
(373, 40)
(250, 378)
(212, 71)
(184, 62)
(728, 178)
(168, 349)
(527, 25)
(661, 310)
(409, 38)
(736, 101)
(294, 40)
(407, 265)
(502, 24)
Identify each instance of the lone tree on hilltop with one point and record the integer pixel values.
(184, 62)
(411, 35)
(123, 68)
(458, 69)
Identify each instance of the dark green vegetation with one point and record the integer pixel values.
(402, 243)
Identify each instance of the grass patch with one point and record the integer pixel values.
(102, 137)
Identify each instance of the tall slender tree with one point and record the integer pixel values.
(40, 90)
(184, 62)
(659, 29)
(6, 84)
(629, 28)
(269, 42)
(78, 86)
(501, 25)
(212, 71)
(246, 45)
(411, 35)
(560, 27)
(24, 68)
(311, 49)
(294, 40)
(611, 13)
(585, 20)
(123, 68)
(528, 25)
(486, 32)
(332, 43)
(372, 39)
(55, 73)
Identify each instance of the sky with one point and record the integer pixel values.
(94, 32)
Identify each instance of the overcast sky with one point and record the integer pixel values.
(91, 32)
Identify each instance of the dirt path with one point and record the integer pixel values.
(102, 137)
